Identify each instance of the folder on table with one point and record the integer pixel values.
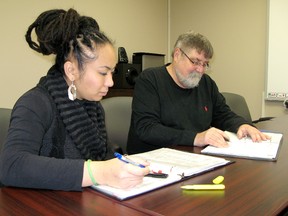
(177, 164)
(246, 148)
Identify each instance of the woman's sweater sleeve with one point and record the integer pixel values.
(21, 164)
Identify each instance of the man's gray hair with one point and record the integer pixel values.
(193, 40)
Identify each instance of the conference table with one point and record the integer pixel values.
(253, 187)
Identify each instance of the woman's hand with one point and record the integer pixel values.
(116, 173)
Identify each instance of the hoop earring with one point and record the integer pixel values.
(72, 92)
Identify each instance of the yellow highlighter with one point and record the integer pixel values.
(218, 180)
(204, 187)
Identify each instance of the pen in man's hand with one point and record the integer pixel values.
(127, 160)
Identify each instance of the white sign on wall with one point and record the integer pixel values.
(277, 54)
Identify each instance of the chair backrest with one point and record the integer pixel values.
(117, 118)
(4, 124)
(238, 104)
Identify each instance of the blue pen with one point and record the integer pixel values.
(127, 160)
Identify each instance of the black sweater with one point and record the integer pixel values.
(163, 114)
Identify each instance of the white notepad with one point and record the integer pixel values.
(246, 148)
(178, 164)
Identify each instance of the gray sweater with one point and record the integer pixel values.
(38, 153)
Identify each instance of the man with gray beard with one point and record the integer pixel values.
(179, 104)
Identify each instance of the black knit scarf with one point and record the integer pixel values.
(83, 120)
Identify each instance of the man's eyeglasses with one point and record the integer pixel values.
(195, 62)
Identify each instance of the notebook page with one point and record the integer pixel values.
(180, 162)
(148, 184)
(245, 147)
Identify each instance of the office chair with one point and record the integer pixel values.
(117, 118)
(4, 124)
(238, 104)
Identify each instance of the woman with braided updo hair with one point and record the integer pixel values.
(57, 137)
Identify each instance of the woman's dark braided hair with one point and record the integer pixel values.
(64, 33)
(72, 37)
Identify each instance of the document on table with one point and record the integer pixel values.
(177, 164)
(246, 148)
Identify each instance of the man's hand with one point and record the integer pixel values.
(256, 135)
(212, 136)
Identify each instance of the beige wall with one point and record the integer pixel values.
(237, 30)
(137, 25)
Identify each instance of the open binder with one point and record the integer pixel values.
(246, 148)
(177, 164)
